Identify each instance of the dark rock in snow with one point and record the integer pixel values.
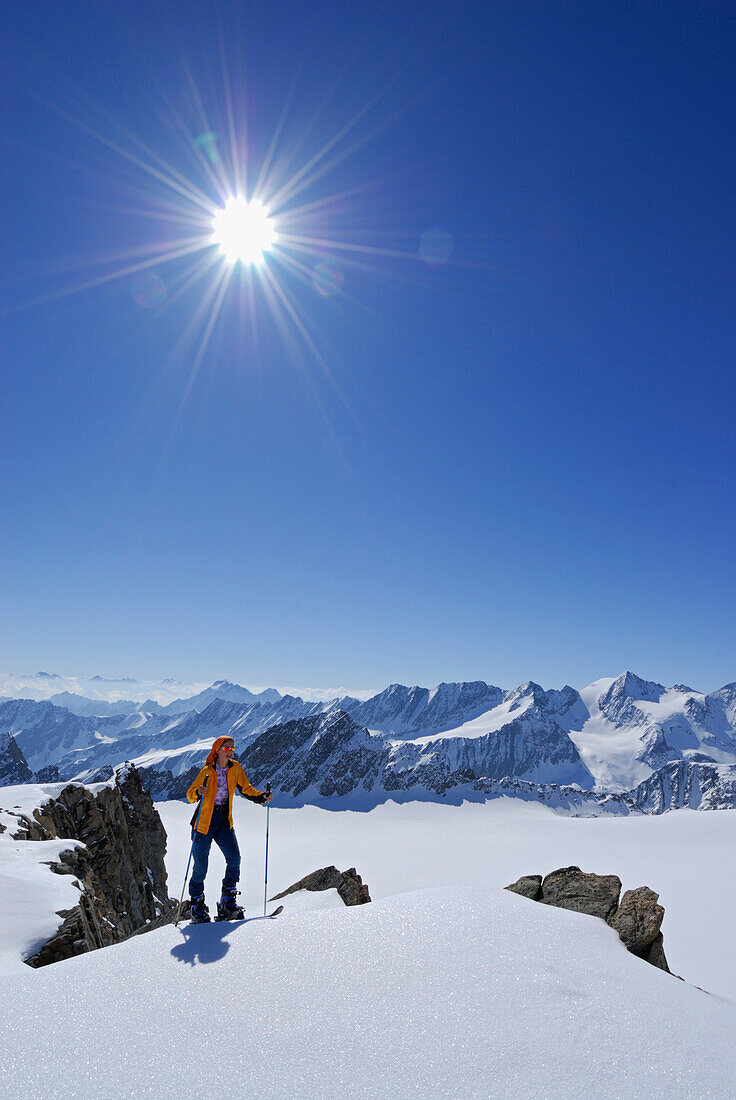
(638, 920)
(529, 886)
(656, 955)
(571, 888)
(119, 865)
(348, 884)
(102, 775)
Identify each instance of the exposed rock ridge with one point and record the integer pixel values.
(636, 917)
(119, 865)
(348, 884)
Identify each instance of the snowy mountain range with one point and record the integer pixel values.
(583, 751)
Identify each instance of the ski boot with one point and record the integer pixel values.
(199, 913)
(227, 906)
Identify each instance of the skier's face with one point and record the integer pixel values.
(226, 753)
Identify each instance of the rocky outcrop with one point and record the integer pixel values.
(119, 865)
(529, 886)
(348, 884)
(638, 921)
(13, 765)
(571, 888)
(637, 917)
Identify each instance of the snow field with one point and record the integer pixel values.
(436, 993)
(446, 985)
(30, 897)
(686, 856)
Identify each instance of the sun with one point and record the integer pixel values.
(243, 230)
(250, 232)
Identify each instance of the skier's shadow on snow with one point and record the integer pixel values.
(203, 943)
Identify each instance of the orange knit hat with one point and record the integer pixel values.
(212, 755)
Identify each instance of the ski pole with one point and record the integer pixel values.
(265, 885)
(191, 850)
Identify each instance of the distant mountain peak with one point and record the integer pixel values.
(634, 687)
(529, 688)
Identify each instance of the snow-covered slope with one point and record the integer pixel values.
(444, 985)
(447, 992)
(31, 895)
(685, 857)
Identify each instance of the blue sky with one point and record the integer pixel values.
(514, 464)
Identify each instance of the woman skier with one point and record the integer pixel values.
(215, 785)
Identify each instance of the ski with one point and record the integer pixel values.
(268, 916)
(246, 920)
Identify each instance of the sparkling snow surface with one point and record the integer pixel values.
(446, 985)
(453, 992)
(30, 897)
(686, 856)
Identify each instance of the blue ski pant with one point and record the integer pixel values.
(225, 839)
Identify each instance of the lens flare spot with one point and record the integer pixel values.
(435, 246)
(328, 278)
(148, 290)
(208, 144)
(243, 230)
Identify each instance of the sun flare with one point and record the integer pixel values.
(243, 230)
(251, 233)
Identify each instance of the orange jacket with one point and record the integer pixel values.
(236, 777)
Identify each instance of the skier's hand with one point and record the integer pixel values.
(201, 790)
(267, 796)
